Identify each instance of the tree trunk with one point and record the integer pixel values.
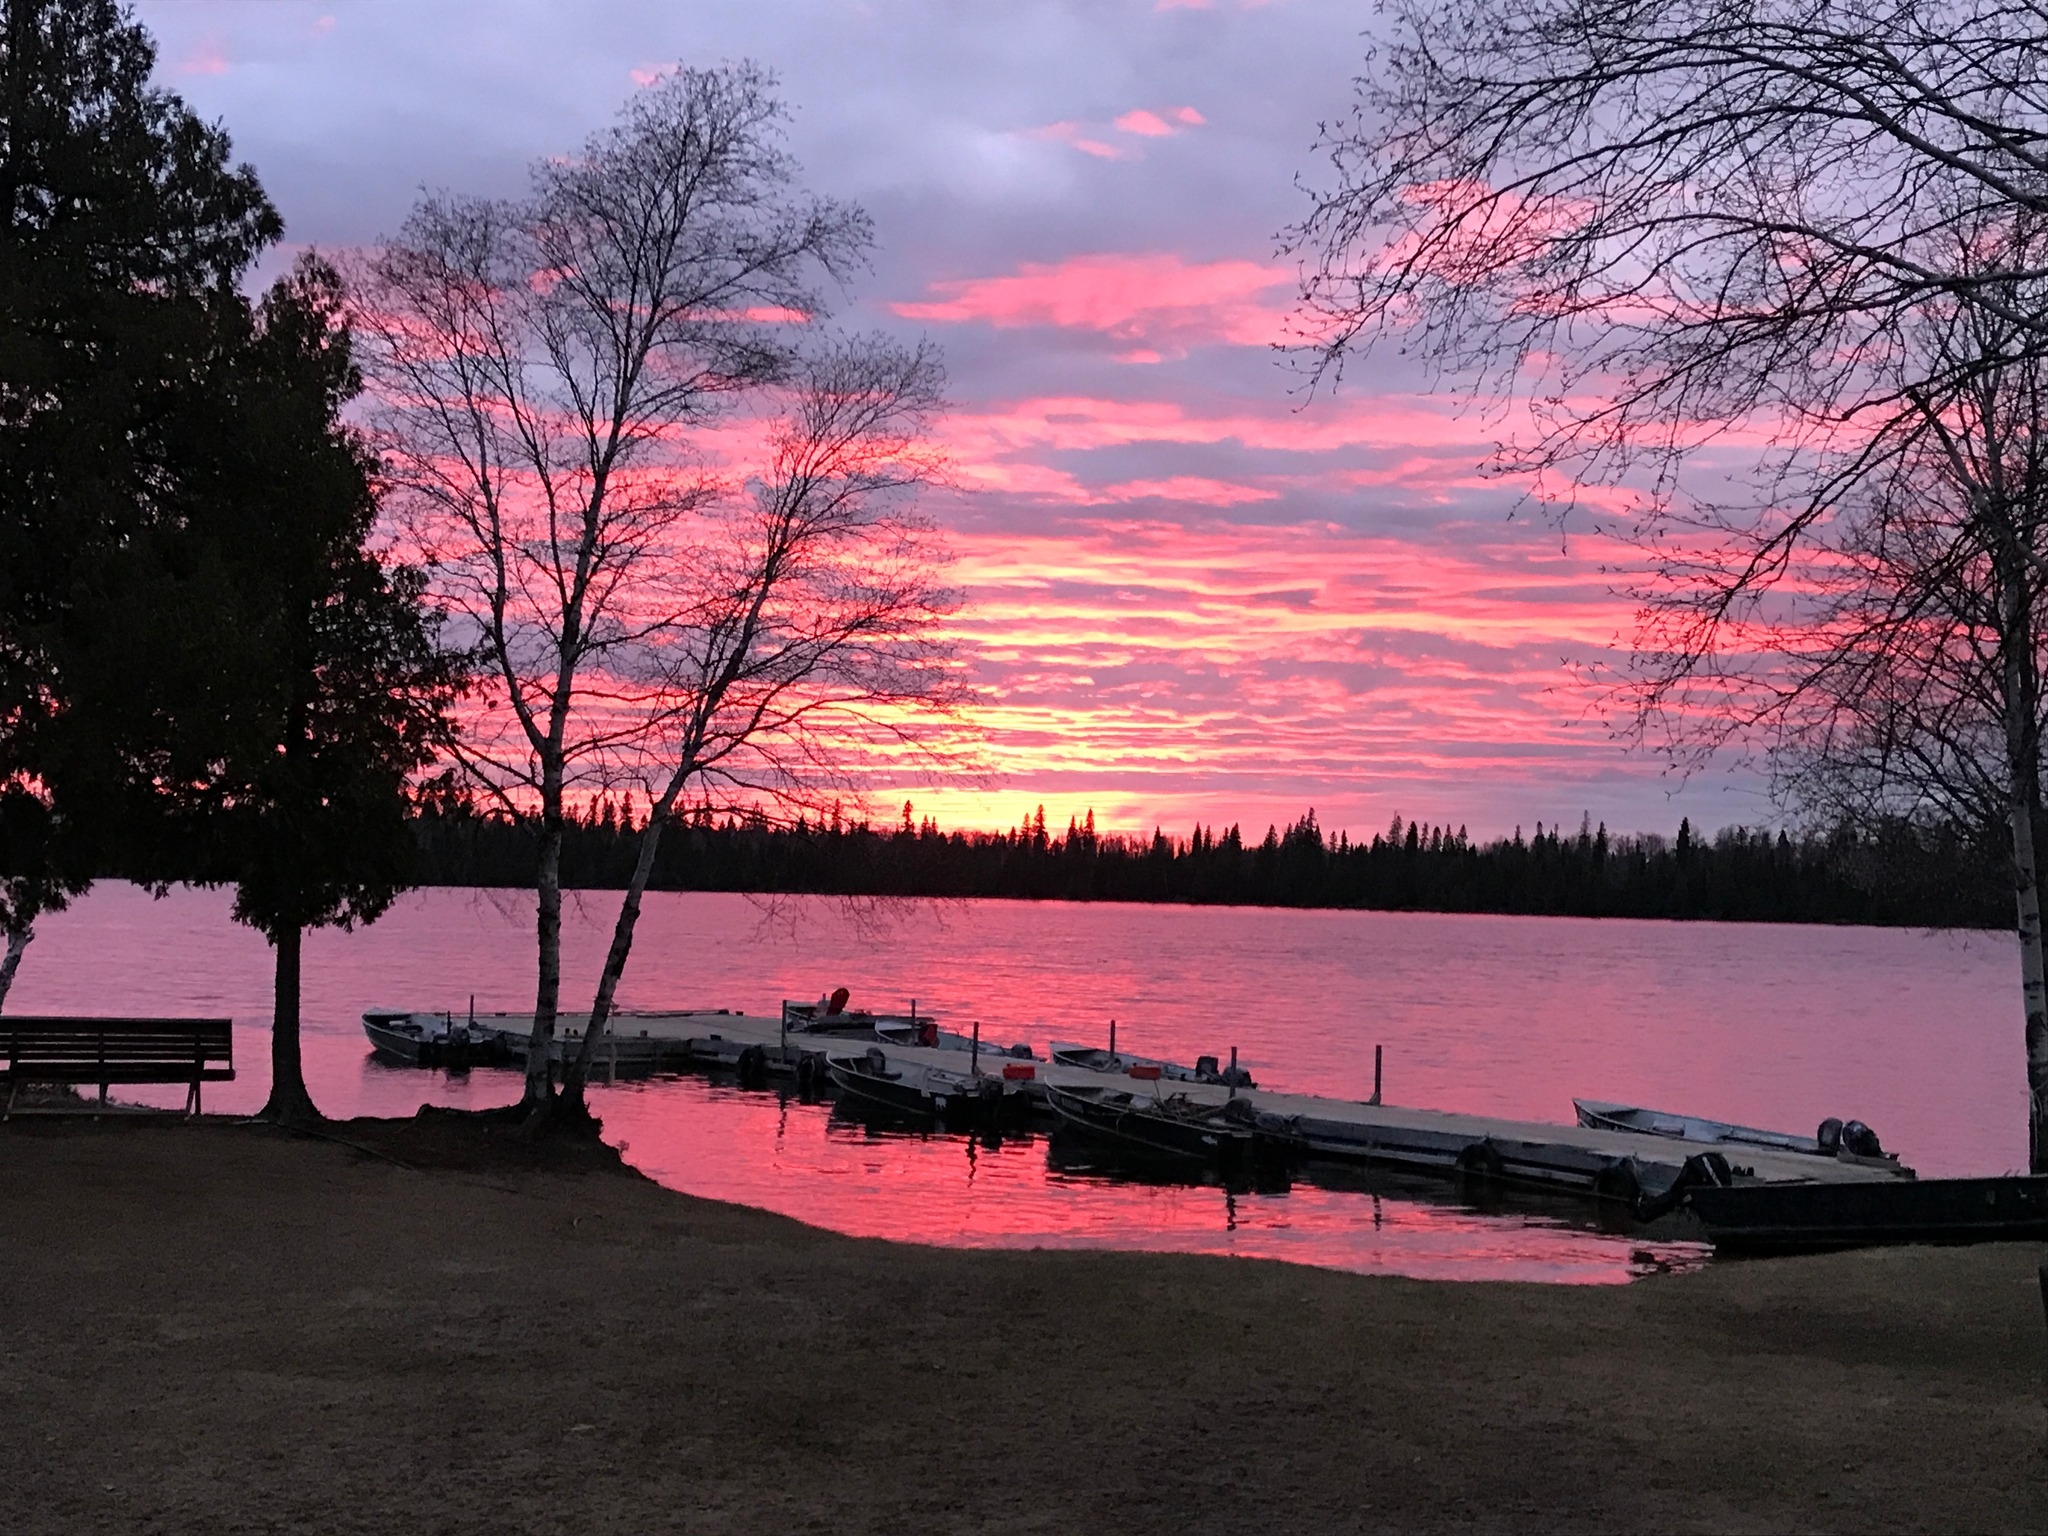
(2023, 779)
(615, 959)
(2033, 985)
(547, 1000)
(17, 941)
(290, 1103)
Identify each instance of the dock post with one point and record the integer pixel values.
(785, 1027)
(974, 1051)
(1376, 1053)
(1233, 1071)
(1112, 1042)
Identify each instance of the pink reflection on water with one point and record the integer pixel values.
(1917, 1033)
(804, 1161)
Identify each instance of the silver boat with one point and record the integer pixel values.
(1093, 1058)
(1853, 1141)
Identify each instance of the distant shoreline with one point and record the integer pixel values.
(1900, 876)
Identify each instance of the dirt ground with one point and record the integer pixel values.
(217, 1328)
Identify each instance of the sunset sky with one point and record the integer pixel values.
(1196, 593)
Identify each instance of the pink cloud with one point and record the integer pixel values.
(208, 57)
(1071, 424)
(644, 75)
(1075, 136)
(1151, 125)
(1046, 482)
(1152, 301)
(1156, 669)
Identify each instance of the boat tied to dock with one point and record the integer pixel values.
(1847, 1141)
(1112, 1063)
(923, 1089)
(1225, 1133)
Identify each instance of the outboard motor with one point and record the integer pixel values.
(877, 1060)
(1861, 1140)
(1829, 1136)
(1709, 1169)
(753, 1067)
(1206, 1069)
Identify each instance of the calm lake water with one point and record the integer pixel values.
(1918, 1034)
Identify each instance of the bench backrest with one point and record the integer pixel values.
(27, 1041)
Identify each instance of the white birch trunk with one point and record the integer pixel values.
(615, 958)
(2033, 984)
(548, 988)
(2023, 782)
(17, 941)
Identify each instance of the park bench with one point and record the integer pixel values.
(107, 1051)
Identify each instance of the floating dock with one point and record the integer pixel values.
(1567, 1158)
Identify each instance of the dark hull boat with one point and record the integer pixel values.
(934, 1093)
(1804, 1218)
(830, 1016)
(438, 1040)
(1221, 1133)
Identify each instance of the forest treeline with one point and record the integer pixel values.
(1900, 873)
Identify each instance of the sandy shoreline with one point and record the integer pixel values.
(215, 1328)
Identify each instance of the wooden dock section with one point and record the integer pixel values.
(1555, 1156)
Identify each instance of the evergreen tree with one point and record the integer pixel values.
(344, 692)
(124, 233)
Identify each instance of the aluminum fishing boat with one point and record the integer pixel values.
(831, 1016)
(440, 1040)
(927, 1034)
(1113, 1063)
(1851, 1141)
(1222, 1133)
(912, 1088)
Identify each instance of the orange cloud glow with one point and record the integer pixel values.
(1170, 671)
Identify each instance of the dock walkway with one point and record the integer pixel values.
(1567, 1157)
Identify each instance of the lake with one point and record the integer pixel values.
(1916, 1033)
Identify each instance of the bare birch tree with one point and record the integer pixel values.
(811, 636)
(1670, 237)
(1651, 221)
(1895, 667)
(543, 366)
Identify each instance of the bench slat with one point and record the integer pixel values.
(36, 1048)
